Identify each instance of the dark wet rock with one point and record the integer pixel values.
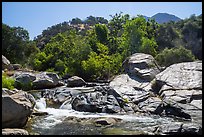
(80, 103)
(14, 131)
(75, 81)
(99, 99)
(60, 94)
(191, 129)
(16, 109)
(39, 113)
(141, 65)
(106, 121)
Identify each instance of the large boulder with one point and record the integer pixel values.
(42, 80)
(75, 81)
(186, 75)
(46, 80)
(6, 63)
(132, 90)
(16, 109)
(180, 86)
(24, 81)
(141, 65)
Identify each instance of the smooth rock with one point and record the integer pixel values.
(16, 109)
(14, 131)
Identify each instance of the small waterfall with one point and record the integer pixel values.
(40, 104)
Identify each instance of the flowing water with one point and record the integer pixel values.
(55, 122)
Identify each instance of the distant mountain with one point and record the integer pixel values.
(146, 17)
(163, 17)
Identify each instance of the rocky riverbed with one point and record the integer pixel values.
(145, 99)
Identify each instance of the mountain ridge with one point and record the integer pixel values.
(163, 17)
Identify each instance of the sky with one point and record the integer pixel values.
(38, 16)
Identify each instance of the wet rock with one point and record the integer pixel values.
(81, 103)
(191, 129)
(99, 100)
(171, 128)
(6, 91)
(106, 121)
(16, 109)
(60, 94)
(14, 131)
(141, 65)
(66, 104)
(75, 81)
(39, 113)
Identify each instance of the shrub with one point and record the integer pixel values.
(7, 82)
(174, 55)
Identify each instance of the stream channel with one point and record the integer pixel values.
(71, 122)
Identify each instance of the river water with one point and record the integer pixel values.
(56, 123)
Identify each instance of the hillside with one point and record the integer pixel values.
(165, 17)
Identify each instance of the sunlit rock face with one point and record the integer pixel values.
(16, 108)
(141, 65)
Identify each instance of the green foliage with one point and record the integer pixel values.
(97, 52)
(101, 33)
(136, 38)
(7, 82)
(175, 55)
(148, 46)
(16, 46)
(167, 36)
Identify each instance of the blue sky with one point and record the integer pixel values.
(38, 16)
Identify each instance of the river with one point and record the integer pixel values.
(58, 122)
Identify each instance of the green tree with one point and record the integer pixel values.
(174, 55)
(15, 44)
(135, 38)
(101, 33)
(76, 21)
